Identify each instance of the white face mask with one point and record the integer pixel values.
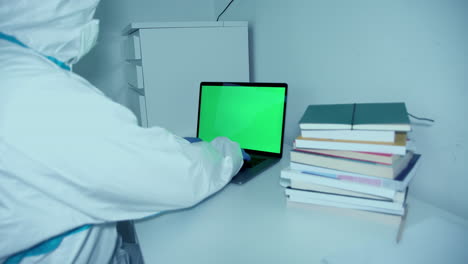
(89, 35)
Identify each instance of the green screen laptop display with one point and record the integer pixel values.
(252, 115)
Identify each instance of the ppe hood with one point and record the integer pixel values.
(51, 27)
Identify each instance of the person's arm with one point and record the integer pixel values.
(106, 166)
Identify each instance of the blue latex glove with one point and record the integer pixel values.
(192, 139)
(245, 156)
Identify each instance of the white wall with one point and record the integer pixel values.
(340, 51)
(337, 51)
(104, 65)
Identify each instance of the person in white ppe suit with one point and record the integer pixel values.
(73, 162)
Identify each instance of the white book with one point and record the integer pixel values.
(295, 175)
(306, 185)
(398, 184)
(350, 213)
(398, 147)
(367, 135)
(345, 201)
(299, 199)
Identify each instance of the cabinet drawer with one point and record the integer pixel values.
(132, 48)
(134, 74)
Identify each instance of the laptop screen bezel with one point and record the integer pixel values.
(251, 84)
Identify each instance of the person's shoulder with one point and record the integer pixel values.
(19, 60)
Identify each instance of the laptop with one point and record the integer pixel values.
(252, 114)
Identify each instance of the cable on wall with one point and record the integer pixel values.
(421, 118)
(224, 9)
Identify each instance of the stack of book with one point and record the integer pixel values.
(352, 156)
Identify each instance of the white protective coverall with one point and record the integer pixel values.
(71, 158)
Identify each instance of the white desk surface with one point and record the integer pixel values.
(253, 223)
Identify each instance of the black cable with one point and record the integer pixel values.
(224, 10)
(421, 118)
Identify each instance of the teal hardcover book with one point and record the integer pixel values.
(381, 116)
(363, 116)
(330, 116)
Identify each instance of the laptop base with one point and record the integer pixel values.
(246, 174)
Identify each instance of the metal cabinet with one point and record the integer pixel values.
(167, 61)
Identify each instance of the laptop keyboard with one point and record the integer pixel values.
(252, 162)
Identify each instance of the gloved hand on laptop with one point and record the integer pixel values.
(245, 156)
